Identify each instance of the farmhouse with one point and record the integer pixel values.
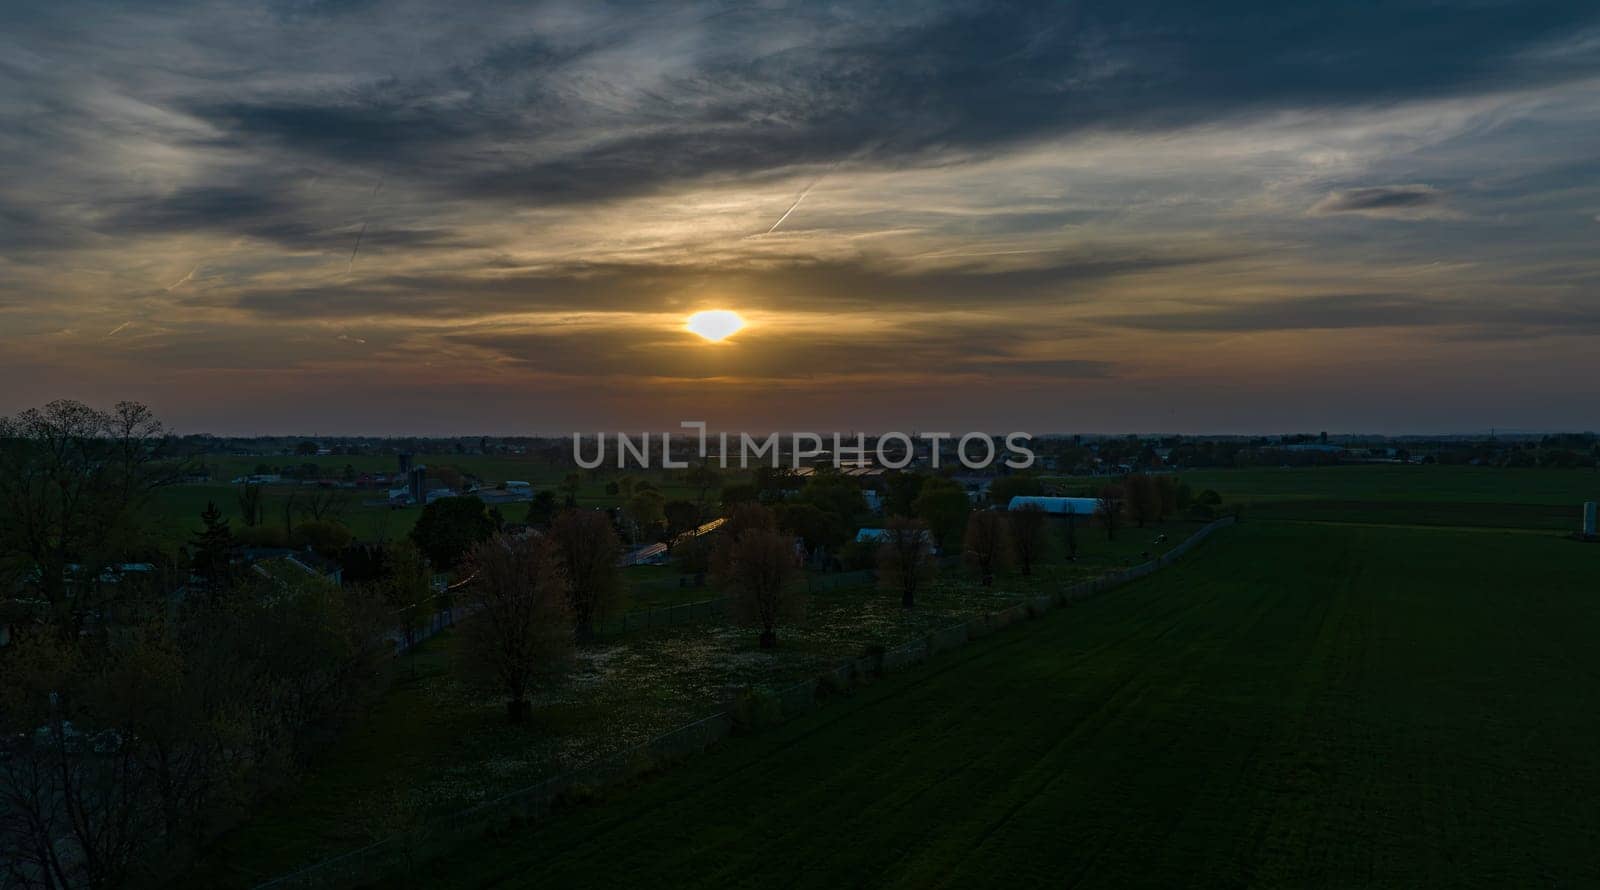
(881, 536)
(1057, 506)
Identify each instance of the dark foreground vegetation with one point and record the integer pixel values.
(302, 672)
(1295, 705)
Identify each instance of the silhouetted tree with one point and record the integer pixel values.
(943, 505)
(521, 629)
(682, 517)
(1002, 490)
(1143, 498)
(815, 527)
(901, 491)
(586, 547)
(449, 527)
(73, 481)
(742, 519)
(1109, 509)
(212, 551)
(1167, 496)
(905, 557)
(542, 509)
(1027, 535)
(252, 505)
(759, 566)
(987, 543)
(406, 588)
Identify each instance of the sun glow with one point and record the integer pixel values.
(715, 324)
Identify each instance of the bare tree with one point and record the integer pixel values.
(905, 557)
(1109, 509)
(323, 503)
(587, 548)
(760, 565)
(1027, 535)
(72, 482)
(252, 505)
(744, 518)
(1167, 490)
(406, 589)
(987, 544)
(1143, 499)
(521, 631)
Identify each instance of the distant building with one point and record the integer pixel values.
(1057, 506)
(286, 567)
(881, 536)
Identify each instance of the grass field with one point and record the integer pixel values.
(1295, 705)
(175, 511)
(435, 744)
(1409, 494)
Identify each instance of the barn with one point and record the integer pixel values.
(1057, 506)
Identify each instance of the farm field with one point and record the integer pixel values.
(447, 740)
(1401, 482)
(1409, 494)
(1296, 704)
(176, 510)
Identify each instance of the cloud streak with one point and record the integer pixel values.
(1023, 201)
(1398, 201)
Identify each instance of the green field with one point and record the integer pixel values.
(1295, 705)
(1402, 482)
(1409, 494)
(175, 511)
(435, 744)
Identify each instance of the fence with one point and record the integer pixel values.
(407, 639)
(663, 616)
(402, 851)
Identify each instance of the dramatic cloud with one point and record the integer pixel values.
(1019, 213)
(1401, 201)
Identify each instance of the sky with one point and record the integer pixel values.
(362, 217)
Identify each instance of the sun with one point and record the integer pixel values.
(715, 324)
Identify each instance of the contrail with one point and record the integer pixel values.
(365, 217)
(113, 332)
(803, 192)
(174, 285)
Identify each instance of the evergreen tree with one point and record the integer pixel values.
(212, 550)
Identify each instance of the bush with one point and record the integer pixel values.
(322, 535)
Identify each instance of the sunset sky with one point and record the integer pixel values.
(1066, 217)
